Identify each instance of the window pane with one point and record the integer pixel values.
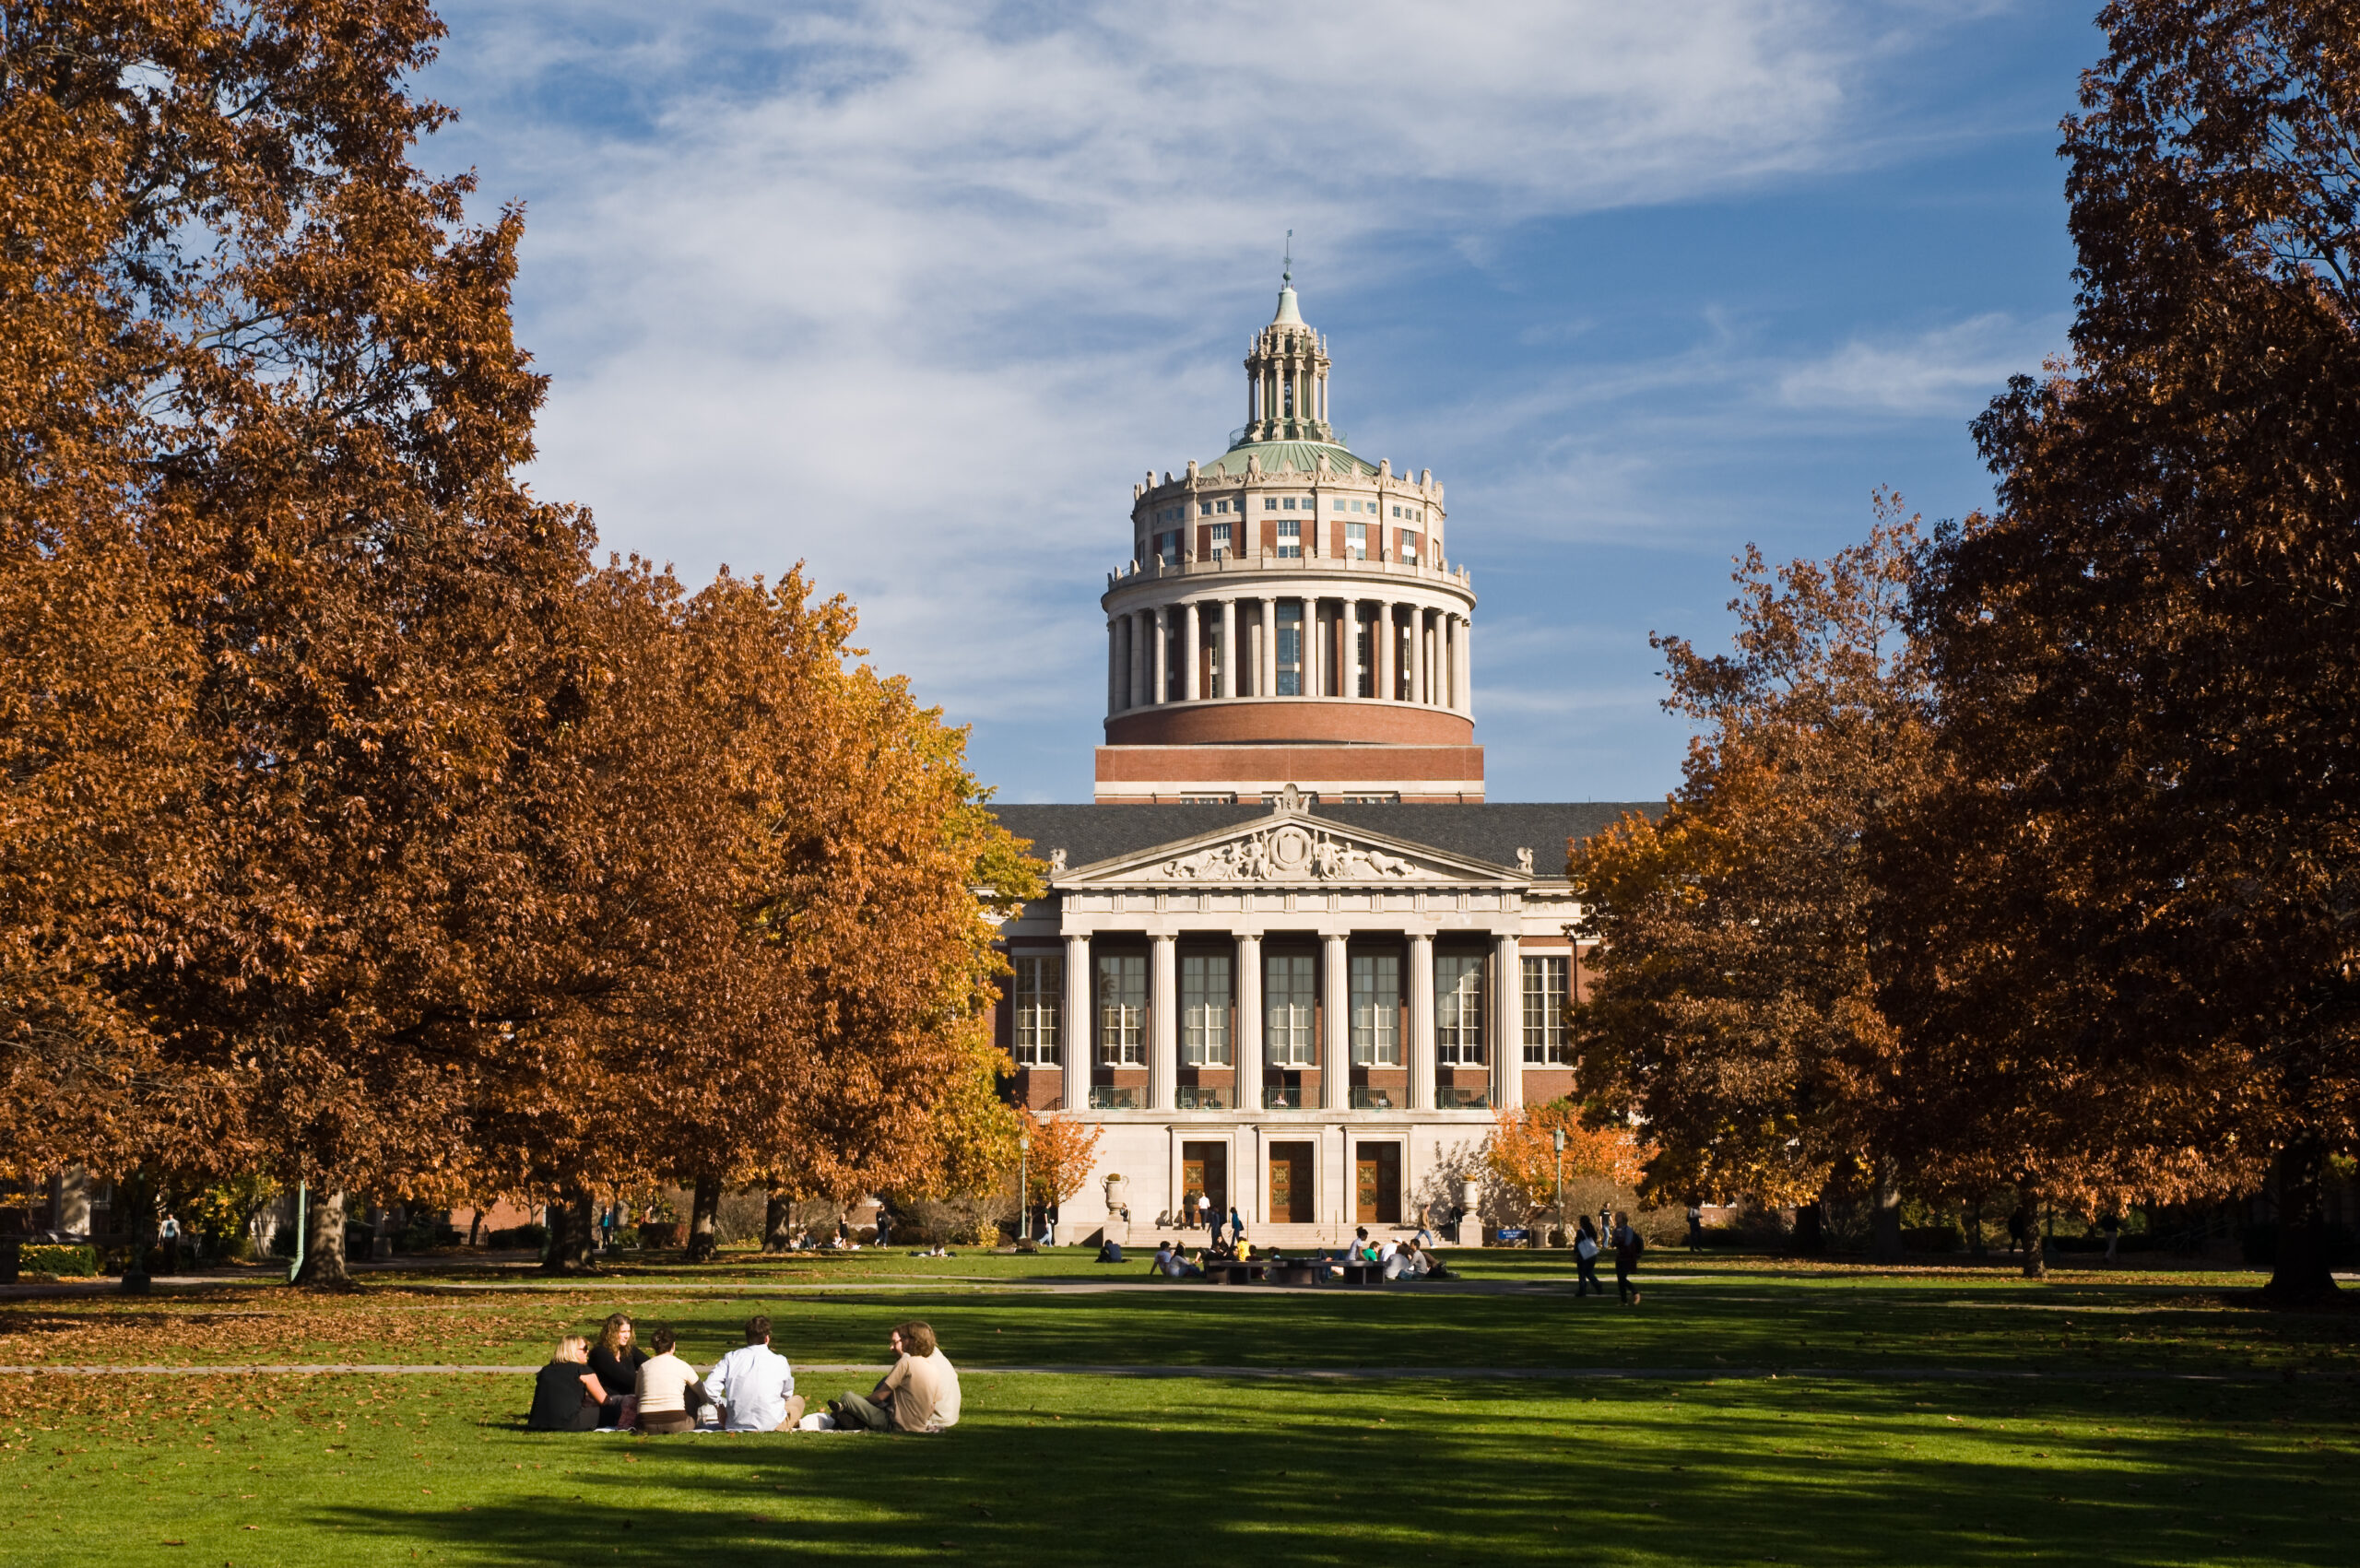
(1459, 1009)
(1286, 997)
(1204, 1009)
(1040, 999)
(1122, 1009)
(1544, 1010)
(1376, 1010)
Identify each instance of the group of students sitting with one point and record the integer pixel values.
(1403, 1259)
(612, 1385)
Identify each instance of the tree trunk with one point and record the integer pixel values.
(573, 1241)
(778, 1222)
(1974, 1219)
(1810, 1236)
(323, 1266)
(1884, 1216)
(2036, 1251)
(704, 1210)
(2301, 1273)
(474, 1226)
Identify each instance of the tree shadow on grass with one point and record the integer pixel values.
(1080, 1470)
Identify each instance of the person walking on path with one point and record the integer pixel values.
(1586, 1249)
(2112, 1226)
(1695, 1227)
(1236, 1228)
(1627, 1248)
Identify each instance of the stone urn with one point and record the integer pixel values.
(1119, 1190)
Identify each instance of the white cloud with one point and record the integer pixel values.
(911, 290)
(1949, 370)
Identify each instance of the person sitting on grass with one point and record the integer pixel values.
(1172, 1263)
(667, 1384)
(566, 1394)
(919, 1393)
(754, 1385)
(1110, 1250)
(616, 1359)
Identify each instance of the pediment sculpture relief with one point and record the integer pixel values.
(1290, 853)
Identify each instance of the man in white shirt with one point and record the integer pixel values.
(754, 1385)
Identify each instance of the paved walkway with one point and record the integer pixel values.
(1337, 1373)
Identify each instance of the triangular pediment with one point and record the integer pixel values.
(1290, 849)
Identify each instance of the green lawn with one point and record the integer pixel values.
(2087, 1465)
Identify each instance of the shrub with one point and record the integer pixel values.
(1932, 1238)
(66, 1261)
(526, 1235)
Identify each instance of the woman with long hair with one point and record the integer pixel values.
(616, 1359)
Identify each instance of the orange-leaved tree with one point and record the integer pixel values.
(1062, 1150)
(1522, 1153)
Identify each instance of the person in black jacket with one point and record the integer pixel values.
(1627, 1248)
(616, 1359)
(567, 1395)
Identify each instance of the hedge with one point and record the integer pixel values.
(43, 1259)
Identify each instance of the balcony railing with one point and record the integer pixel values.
(1267, 561)
(1449, 1099)
(1367, 1099)
(1282, 1099)
(1192, 1097)
(1103, 1098)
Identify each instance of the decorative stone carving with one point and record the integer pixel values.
(1290, 852)
(1057, 863)
(1524, 861)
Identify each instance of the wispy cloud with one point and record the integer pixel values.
(1948, 370)
(911, 291)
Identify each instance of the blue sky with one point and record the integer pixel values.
(914, 292)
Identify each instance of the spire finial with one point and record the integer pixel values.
(1286, 274)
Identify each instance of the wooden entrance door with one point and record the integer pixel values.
(1290, 1194)
(1377, 1198)
(1204, 1168)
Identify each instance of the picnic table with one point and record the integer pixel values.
(1364, 1273)
(1237, 1271)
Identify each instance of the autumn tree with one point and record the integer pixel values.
(1732, 1002)
(1059, 1160)
(2146, 654)
(1522, 1153)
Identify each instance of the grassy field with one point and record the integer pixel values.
(2170, 1422)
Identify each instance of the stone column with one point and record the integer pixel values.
(1420, 1054)
(1357, 665)
(1463, 685)
(1417, 655)
(1265, 680)
(1163, 1019)
(1249, 1022)
(1113, 666)
(1389, 653)
(1160, 681)
(1508, 1033)
(1315, 647)
(1228, 659)
(1192, 622)
(1080, 1043)
(1142, 657)
(1336, 1031)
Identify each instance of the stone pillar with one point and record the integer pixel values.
(1228, 659)
(1336, 1031)
(1389, 653)
(1142, 656)
(1315, 646)
(1163, 1019)
(1417, 655)
(1507, 1034)
(1080, 1045)
(1348, 648)
(1266, 680)
(1420, 1054)
(1113, 666)
(1192, 623)
(1160, 681)
(1249, 1023)
(1464, 683)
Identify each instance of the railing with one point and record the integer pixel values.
(1448, 1099)
(1105, 1098)
(1335, 436)
(1193, 1097)
(1367, 1099)
(1156, 571)
(1282, 1099)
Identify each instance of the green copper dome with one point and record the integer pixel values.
(1282, 456)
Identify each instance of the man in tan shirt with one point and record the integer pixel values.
(920, 1394)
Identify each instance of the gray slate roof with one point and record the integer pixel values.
(1493, 832)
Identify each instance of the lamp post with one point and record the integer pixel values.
(1558, 1136)
(1023, 1187)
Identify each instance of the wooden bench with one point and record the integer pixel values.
(1238, 1271)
